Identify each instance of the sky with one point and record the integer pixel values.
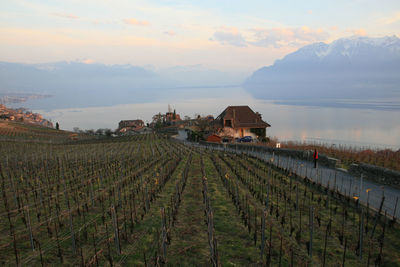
(227, 35)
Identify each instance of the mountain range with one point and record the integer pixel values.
(76, 84)
(348, 68)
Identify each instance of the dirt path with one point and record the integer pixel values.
(189, 245)
(235, 246)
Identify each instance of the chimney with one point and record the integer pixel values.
(234, 117)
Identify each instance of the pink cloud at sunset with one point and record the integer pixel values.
(133, 21)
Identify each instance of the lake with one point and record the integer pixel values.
(359, 122)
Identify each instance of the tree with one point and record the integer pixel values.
(57, 126)
(202, 124)
(158, 120)
(108, 132)
(91, 132)
(100, 131)
(158, 124)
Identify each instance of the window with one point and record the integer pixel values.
(259, 131)
(228, 123)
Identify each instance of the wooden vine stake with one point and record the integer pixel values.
(263, 235)
(377, 216)
(379, 260)
(361, 233)
(311, 231)
(344, 251)
(30, 228)
(71, 223)
(395, 209)
(326, 241)
(95, 250)
(116, 232)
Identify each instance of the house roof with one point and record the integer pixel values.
(131, 121)
(241, 117)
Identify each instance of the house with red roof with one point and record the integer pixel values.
(240, 121)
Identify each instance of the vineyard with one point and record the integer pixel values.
(19, 131)
(147, 200)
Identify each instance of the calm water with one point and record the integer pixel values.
(361, 123)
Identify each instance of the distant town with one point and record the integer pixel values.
(19, 98)
(23, 115)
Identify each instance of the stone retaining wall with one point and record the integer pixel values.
(376, 174)
(292, 153)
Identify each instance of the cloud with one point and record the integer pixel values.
(170, 33)
(133, 21)
(87, 61)
(275, 37)
(391, 19)
(229, 36)
(357, 32)
(360, 32)
(333, 28)
(279, 37)
(72, 37)
(65, 15)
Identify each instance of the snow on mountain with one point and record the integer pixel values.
(348, 67)
(349, 47)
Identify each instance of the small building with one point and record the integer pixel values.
(142, 130)
(130, 123)
(214, 138)
(128, 127)
(240, 121)
(172, 117)
(209, 117)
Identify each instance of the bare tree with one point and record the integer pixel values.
(203, 124)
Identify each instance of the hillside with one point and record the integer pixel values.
(356, 67)
(147, 200)
(23, 131)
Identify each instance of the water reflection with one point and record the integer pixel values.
(364, 126)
